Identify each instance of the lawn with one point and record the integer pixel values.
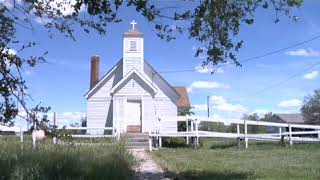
(220, 159)
(64, 161)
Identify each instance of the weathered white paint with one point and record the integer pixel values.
(290, 135)
(133, 59)
(133, 112)
(132, 78)
(314, 129)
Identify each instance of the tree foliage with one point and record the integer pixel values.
(213, 23)
(254, 117)
(311, 108)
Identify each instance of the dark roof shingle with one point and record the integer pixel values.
(295, 118)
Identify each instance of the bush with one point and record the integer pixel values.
(174, 142)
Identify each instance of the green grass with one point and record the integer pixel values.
(63, 161)
(220, 159)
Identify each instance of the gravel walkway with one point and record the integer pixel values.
(147, 169)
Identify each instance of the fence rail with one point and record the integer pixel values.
(195, 133)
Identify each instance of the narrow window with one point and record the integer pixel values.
(133, 45)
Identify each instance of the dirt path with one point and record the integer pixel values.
(148, 169)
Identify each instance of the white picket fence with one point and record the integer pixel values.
(114, 133)
(194, 131)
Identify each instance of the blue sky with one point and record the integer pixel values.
(62, 82)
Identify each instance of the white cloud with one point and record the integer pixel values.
(219, 103)
(311, 75)
(290, 103)
(63, 118)
(199, 107)
(10, 51)
(304, 53)
(207, 85)
(207, 69)
(220, 109)
(65, 7)
(260, 112)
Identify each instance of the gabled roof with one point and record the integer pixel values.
(183, 101)
(158, 75)
(128, 76)
(294, 118)
(103, 79)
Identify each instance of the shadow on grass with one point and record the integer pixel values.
(223, 146)
(203, 175)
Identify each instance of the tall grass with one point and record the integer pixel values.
(50, 161)
(221, 159)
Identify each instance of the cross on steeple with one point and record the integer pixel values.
(133, 23)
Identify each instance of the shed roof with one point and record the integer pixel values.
(183, 101)
(295, 118)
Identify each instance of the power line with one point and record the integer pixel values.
(281, 82)
(288, 79)
(251, 58)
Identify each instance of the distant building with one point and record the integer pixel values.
(292, 118)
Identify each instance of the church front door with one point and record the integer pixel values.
(133, 115)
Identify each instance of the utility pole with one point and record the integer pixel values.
(208, 106)
(54, 119)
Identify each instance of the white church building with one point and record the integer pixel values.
(132, 96)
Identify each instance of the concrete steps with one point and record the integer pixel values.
(137, 140)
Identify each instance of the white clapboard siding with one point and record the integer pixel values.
(149, 118)
(168, 124)
(133, 63)
(132, 59)
(97, 114)
(133, 87)
(119, 120)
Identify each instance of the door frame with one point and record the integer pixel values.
(135, 98)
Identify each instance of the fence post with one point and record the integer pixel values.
(54, 139)
(21, 134)
(197, 133)
(238, 137)
(280, 134)
(246, 133)
(150, 142)
(290, 135)
(160, 141)
(192, 125)
(187, 130)
(318, 133)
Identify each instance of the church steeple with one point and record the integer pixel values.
(133, 54)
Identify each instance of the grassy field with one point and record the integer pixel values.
(63, 161)
(220, 159)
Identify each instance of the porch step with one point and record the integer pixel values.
(137, 140)
(136, 135)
